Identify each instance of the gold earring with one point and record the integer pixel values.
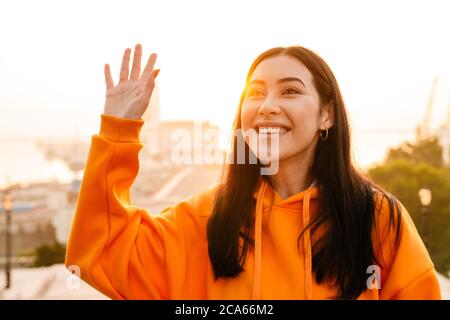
(326, 135)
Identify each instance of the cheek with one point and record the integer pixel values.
(307, 111)
(305, 121)
(247, 116)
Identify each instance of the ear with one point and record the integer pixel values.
(326, 117)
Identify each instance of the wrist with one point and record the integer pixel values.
(120, 129)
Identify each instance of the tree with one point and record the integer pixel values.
(46, 255)
(425, 151)
(408, 168)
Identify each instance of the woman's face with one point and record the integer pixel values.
(281, 95)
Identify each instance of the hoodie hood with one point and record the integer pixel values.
(267, 197)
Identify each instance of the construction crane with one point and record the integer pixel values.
(423, 129)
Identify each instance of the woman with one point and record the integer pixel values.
(313, 228)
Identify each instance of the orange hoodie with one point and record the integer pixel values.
(127, 253)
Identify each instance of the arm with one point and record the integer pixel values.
(117, 247)
(409, 272)
(120, 249)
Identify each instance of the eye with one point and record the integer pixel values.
(291, 91)
(254, 92)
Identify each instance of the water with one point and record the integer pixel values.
(21, 161)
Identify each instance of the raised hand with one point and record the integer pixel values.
(131, 96)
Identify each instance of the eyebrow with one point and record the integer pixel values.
(288, 79)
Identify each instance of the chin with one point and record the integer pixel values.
(270, 159)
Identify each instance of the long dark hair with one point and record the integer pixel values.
(346, 203)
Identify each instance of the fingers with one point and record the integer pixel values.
(151, 82)
(108, 79)
(124, 70)
(147, 73)
(136, 69)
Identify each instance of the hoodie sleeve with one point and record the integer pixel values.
(116, 247)
(408, 272)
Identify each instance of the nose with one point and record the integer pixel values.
(269, 107)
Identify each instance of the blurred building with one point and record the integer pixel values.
(62, 218)
(73, 152)
(162, 138)
(150, 130)
(443, 135)
(31, 222)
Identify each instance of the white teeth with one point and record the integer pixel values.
(271, 130)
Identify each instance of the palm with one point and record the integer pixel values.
(131, 96)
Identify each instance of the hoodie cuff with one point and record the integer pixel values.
(120, 129)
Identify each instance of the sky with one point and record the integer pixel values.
(384, 55)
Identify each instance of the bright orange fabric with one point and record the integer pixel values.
(127, 253)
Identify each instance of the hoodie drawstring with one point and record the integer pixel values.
(258, 242)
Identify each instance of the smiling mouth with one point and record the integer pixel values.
(272, 130)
